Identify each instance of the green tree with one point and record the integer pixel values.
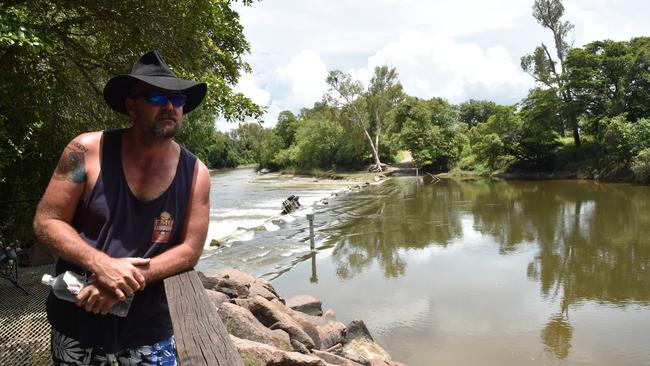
(270, 146)
(544, 68)
(317, 143)
(610, 78)
(247, 138)
(286, 127)
(427, 128)
(366, 108)
(498, 138)
(474, 111)
(542, 125)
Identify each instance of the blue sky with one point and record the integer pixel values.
(456, 50)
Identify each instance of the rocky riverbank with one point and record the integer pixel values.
(270, 330)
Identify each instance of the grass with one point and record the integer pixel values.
(249, 361)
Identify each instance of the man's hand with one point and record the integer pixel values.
(96, 299)
(121, 276)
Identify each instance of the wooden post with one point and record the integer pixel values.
(310, 217)
(314, 275)
(201, 338)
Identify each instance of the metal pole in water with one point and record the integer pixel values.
(417, 173)
(310, 217)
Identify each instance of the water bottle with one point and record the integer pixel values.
(67, 286)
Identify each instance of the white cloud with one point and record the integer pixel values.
(607, 19)
(457, 49)
(443, 67)
(248, 87)
(305, 75)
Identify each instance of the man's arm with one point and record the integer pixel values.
(186, 254)
(57, 208)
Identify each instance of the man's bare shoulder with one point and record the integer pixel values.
(202, 178)
(202, 171)
(88, 142)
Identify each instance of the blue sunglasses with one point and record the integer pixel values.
(159, 98)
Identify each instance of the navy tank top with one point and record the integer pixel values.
(112, 219)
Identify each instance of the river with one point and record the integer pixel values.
(458, 272)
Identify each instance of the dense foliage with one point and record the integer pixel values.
(56, 56)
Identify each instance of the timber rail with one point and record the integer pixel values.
(201, 338)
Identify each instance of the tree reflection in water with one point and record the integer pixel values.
(591, 238)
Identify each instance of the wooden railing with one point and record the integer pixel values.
(201, 338)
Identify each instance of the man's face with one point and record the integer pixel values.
(156, 111)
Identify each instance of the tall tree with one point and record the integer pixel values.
(609, 78)
(286, 128)
(366, 108)
(544, 68)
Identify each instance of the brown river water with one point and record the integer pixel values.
(474, 272)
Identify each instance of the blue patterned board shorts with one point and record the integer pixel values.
(67, 351)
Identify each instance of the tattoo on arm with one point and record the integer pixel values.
(78, 146)
(72, 166)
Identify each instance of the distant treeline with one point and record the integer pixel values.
(589, 115)
(597, 122)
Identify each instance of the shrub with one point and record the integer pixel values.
(641, 166)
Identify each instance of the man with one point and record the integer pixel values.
(128, 208)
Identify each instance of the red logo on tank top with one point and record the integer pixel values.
(162, 228)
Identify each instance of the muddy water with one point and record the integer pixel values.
(476, 272)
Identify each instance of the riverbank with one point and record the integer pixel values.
(600, 176)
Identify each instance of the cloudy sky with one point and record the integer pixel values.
(455, 49)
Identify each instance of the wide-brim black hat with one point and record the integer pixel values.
(151, 69)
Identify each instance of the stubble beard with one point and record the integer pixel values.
(161, 129)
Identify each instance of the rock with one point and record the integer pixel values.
(365, 348)
(385, 363)
(329, 314)
(258, 288)
(274, 314)
(262, 354)
(238, 277)
(217, 242)
(331, 334)
(205, 280)
(216, 297)
(306, 303)
(230, 287)
(299, 347)
(335, 348)
(238, 284)
(334, 359)
(376, 179)
(326, 332)
(350, 356)
(242, 324)
(359, 343)
(357, 328)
